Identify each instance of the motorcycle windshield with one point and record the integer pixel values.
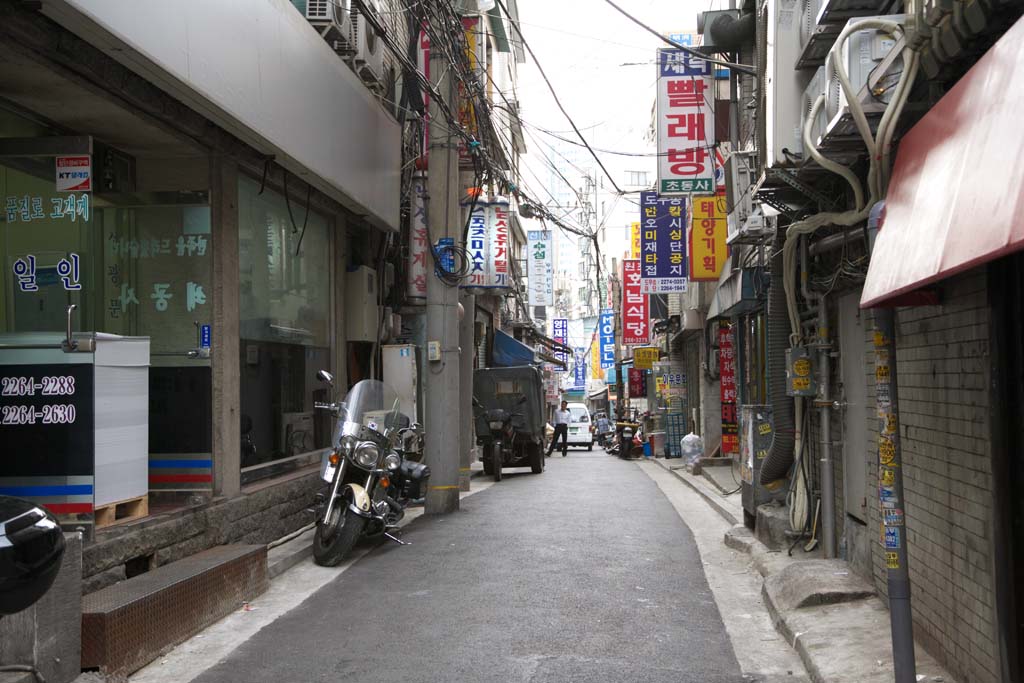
(371, 405)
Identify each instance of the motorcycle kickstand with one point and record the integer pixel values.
(388, 535)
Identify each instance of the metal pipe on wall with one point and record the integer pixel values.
(828, 498)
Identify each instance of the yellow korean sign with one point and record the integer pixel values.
(708, 231)
(595, 359)
(634, 241)
(644, 357)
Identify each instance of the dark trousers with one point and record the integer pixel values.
(560, 431)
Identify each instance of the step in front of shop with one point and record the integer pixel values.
(129, 624)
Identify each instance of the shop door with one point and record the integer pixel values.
(854, 396)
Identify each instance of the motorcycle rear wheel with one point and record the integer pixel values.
(536, 458)
(331, 551)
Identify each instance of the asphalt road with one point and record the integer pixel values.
(583, 573)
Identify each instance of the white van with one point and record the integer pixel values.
(579, 426)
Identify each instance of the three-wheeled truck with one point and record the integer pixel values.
(508, 406)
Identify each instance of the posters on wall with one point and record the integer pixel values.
(487, 244)
(727, 376)
(540, 268)
(560, 333)
(418, 239)
(708, 230)
(606, 331)
(685, 123)
(635, 309)
(663, 243)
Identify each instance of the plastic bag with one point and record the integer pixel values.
(692, 447)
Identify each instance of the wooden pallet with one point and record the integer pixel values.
(121, 511)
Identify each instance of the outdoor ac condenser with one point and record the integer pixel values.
(783, 83)
(361, 310)
(368, 61)
(401, 373)
(332, 19)
(756, 436)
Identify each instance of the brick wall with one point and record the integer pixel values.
(943, 372)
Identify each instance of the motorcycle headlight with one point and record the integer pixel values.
(347, 444)
(366, 454)
(392, 461)
(497, 424)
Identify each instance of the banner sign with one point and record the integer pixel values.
(685, 123)
(560, 333)
(579, 373)
(707, 238)
(727, 376)
(636, 314)
(418, 240)
(596, 371)
(663, 243)
(645, 357)
(487, 245)
(637, 383)
(540, 268)
(634, 241)
(606, 331)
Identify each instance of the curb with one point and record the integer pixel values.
(706, 495)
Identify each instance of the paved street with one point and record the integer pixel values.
(584, 573)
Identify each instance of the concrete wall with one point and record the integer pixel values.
(943, 373)
(258, 515)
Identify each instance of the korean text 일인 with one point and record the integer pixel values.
(67, 270)
(686, 123)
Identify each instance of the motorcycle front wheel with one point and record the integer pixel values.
(331, 548)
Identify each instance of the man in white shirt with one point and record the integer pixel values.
(562, 418)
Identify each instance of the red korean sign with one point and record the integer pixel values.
(685, 124)
(727, 377)
(636, 315)
(637, 383)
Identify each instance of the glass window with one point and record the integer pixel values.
(285, 322)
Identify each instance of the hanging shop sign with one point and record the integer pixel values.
(707, 238)
(645, 357)
(727, 377)
(560, 333)
(637, 383)
(606, 331)
(418, 241)
(634, 241)
(579, 375)
(540, 268)
(74, 173)
(685, 123)
(663, 243)
(636, 316)
(487, 245)
(596, 371)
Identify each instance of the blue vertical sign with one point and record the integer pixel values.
(204, 337)
(607, 338)
(580, 369)
(663, 266)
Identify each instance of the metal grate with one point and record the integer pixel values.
(126, 626)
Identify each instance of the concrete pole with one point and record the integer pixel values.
(890, 496)
(468, 441)
(443, 443)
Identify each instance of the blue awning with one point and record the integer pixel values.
(508, 352)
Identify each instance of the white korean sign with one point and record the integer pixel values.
(418, 241)
(540, 268)
(686, 124)
(488, 245)
(74, 174)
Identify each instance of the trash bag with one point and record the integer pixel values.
(692, 447)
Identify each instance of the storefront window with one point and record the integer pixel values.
(285, 322)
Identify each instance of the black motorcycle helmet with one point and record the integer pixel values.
(31, 551)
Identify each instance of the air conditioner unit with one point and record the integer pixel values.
(754, 229)
(332, 19)
(873, 61)
(739, 175)
(297, 433)
(361, 310)
(814, 90)
(783, 84)
(368, 61)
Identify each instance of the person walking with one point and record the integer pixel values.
(562, 417)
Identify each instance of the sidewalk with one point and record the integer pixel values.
(829, 615)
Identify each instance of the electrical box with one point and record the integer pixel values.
(433, 351)
(800, 372)
(401, 373)
(362, 314)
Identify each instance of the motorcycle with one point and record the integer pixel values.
(372, 470)
(498, 440)
(629, 441)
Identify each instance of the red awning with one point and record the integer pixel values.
(956, 199)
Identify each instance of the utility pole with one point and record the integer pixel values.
(443, 424)
(466, 343)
